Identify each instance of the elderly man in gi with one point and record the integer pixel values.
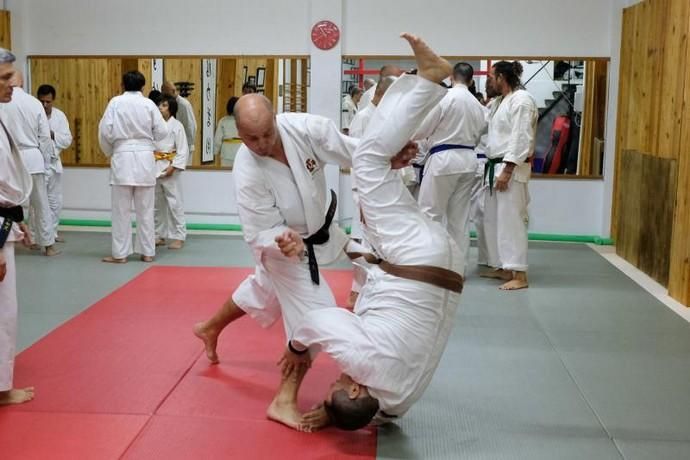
(15, 188)
(389, 348)
(452, 130)
(28, 125)
(127, 133)
(512, 133)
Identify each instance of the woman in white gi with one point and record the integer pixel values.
(512, 132)
(15, 188)
(171, 159)
(127, 132)
(390, 347)
(226, 142)
(349, 107)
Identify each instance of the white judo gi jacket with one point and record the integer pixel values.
(127, 134)
(15, 188)
(26, 120)
(174, 141)
(272, 198)
(62, 137)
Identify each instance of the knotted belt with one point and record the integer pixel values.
(442, 148)
(9, 215)
(490, 170)
(436, 276)
(320, 237)
(164, 155)
(232, 140)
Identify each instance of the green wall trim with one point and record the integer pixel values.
(238, 228)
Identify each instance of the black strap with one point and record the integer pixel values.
(295, 350)
(9, 215)
(320, 237)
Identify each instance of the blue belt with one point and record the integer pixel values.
(481, 156)
(442, 148)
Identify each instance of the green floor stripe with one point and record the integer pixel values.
(238, 228)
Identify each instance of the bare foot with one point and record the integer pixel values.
(285, 413)
(429, 64)
(16, 396)
(51, 251)
(147, 259)
(160, 242)
(35, 247)
(498, 274)
(176, 244)
(113, 260)
(352, 300)
(59, 239)
(519, 281)
(210, 339)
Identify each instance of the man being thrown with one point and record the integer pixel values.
(390, 347)
(280, 188)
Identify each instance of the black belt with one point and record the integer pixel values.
(320, 237)
(9, 215)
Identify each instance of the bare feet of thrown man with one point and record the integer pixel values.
(429, 64)
(16, 396)
(285, 412)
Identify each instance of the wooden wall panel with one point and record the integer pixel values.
(5, 29)
(188, 69)
(82, 93)
(651, 214)
(647, 198)
(594, 117)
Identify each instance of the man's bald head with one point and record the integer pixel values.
(256, 123)
(390, 70)
(381, 88)
(168, 88)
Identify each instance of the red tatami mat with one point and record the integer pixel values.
(131, 358)
(177, 438)
(56, 436)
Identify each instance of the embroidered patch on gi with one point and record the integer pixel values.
(311, 165)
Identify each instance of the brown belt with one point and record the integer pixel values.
(437, 276)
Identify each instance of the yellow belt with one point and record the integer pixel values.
(164, 155)
(234, 140)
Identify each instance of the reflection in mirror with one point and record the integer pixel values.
(84, 85)
(570, 94)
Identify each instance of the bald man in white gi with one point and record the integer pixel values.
(15, 188)
(127, 133)
(452, 131)
(26, 121)
(389, 348)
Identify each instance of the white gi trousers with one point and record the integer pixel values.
(477, 213)
(122, 197)
(169, 208)
(446, 199)
(282, 285)
(54, 186)
(505, 226)
(8, 318)
(38, 210)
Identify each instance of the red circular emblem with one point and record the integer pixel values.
(325, 35)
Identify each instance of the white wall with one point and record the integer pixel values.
(517, 28)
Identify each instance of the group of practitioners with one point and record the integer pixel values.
(413, 251)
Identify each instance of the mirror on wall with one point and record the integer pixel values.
(570, 93)
(84, 85)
